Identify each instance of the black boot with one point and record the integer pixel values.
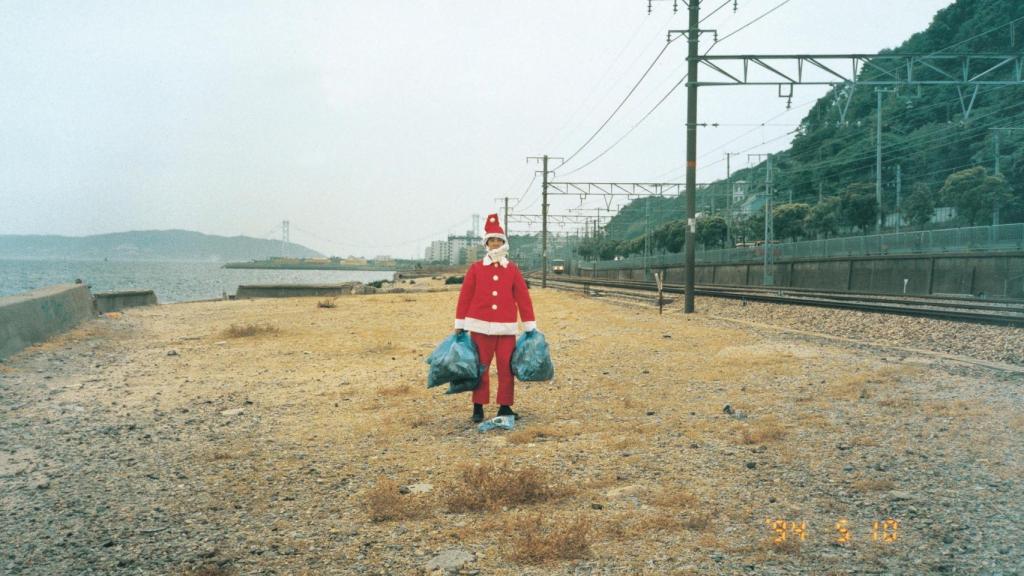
(504, 410)
(478, 412)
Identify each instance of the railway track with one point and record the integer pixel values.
(998, 312)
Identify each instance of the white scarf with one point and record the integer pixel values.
(498, 254)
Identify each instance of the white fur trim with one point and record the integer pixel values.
(503, 261)
(491, 328)
(527, 326)
(495, 235)
(460, 324)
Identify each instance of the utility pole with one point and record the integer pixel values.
(728, 165)
(769, 229)
(693, 37)
(647, 236)
(544, 217)
(996, 142)
(899, 187)
(506, 199)
(878, 158)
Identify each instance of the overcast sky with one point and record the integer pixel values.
(372, 126)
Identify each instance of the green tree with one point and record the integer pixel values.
(711, 231)
(670, 236)
(607, 248)
(858, 206)
(919, 205)
(788, 220)
(975, 194)
(823, 217)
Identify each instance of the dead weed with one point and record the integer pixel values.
(384, 501)
(537, 540)
(251, 329)
(762, 431)
(481, 487)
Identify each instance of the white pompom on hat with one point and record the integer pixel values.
(493, 229)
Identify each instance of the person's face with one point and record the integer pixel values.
(493, 243)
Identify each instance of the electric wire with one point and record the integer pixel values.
(630, 131)
(621, 104)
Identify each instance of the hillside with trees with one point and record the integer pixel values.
(939, 152)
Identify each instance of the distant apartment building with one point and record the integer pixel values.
(457, 248)
(473, 252)
(438, 251)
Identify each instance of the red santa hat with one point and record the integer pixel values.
(493, 229)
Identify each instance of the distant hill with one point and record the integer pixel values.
(163, 245)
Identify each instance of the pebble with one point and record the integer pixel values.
(233, 412)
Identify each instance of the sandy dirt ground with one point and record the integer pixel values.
(167, 440)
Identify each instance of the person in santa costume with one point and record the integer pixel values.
(493, 291)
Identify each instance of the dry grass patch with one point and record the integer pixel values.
(742, 363)
(382, 347)
(327, 303)
(536, 540)
(952, 408)
(482, 487)
(400, 390)
(251, 329)
(899, 403)
(674, 498)
(865, 385)
(384, 501)
(762, 432)
(532, 434)
(865, 440)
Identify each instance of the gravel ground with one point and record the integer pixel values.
(153, 443)
(984, 342)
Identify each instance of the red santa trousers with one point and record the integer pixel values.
(487, 346)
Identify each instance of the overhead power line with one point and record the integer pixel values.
(619, 107)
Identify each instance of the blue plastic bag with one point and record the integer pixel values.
(531, 361)
(467, 385)
(455, 360)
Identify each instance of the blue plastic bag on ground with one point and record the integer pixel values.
(454, 360)
(531, 361)
(503, 422)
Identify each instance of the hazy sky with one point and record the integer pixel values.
(372, 126)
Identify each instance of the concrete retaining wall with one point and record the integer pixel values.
(292, 290)
(114, 301)
(998, 275)
(35, 316)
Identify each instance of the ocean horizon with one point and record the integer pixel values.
(172, 281)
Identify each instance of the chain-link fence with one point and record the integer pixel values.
(1003, 238)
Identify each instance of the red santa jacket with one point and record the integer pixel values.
(491, 294)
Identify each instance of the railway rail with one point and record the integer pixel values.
(956, 308)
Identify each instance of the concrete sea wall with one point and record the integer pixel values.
(114, 301)
(32, 317)
(290, 290)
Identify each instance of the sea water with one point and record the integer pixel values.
(172, 281)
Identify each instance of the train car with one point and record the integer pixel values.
(558, 266)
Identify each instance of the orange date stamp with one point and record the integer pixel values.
(783, 531)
